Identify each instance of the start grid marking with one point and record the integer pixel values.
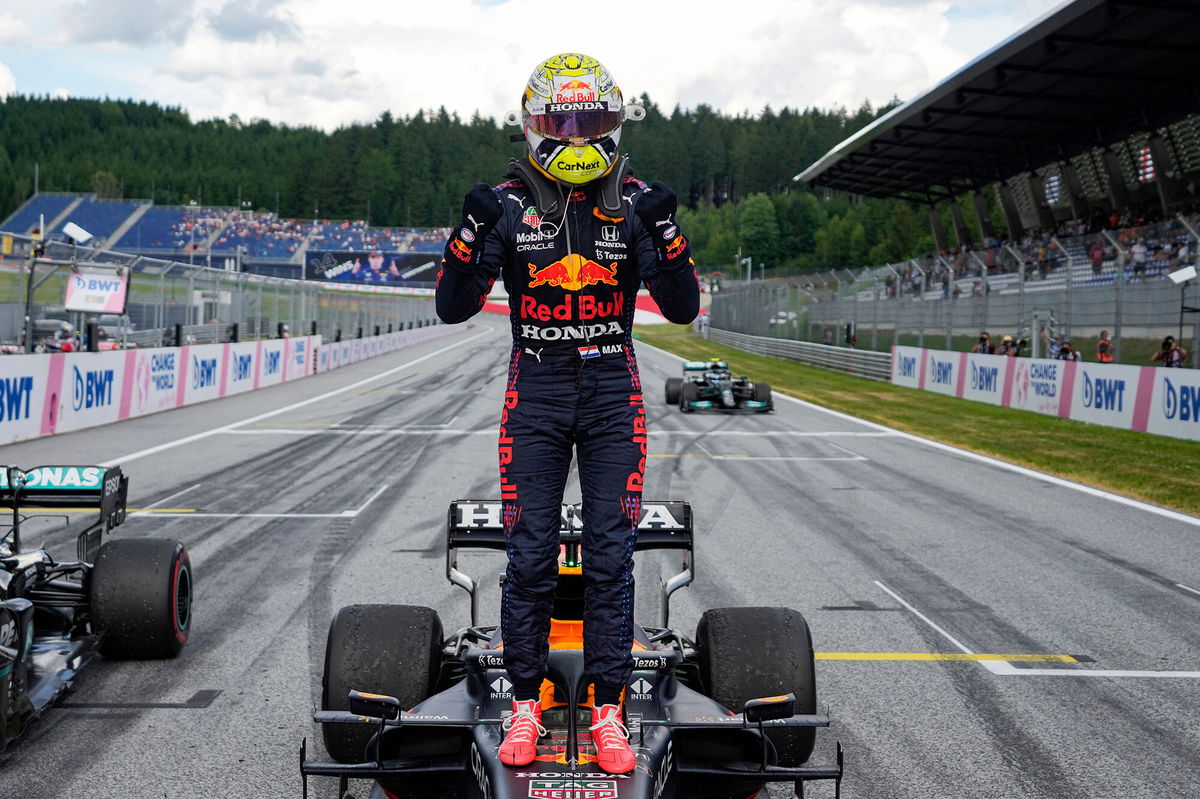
(1002, 667)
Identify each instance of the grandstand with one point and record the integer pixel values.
(252, 241)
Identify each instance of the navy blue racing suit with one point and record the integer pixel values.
(573, 385)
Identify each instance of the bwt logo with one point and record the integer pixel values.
(943, 371)
(271, 362)
(1182, 403)
(985, 378)
(204, 372)
(15, 394)
(93, 388)
(1103, 393)
(242, 365)
(298, 353)
(907, 366)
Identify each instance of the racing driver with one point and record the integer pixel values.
(573, 235)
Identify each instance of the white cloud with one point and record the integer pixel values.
(327, 64)
(8, 83)
(60, 94)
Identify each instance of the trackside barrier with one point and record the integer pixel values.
(864, 363)
(41, 395)
(1146, 398)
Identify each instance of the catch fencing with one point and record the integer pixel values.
(1053, 289)
(876, 365)
(210, 305)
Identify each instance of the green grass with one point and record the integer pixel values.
(1165, 471)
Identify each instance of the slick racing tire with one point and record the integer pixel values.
(141, 598)
(762, 393)
(746, 653)
(690, 393)
(674, 389)
(383, 649)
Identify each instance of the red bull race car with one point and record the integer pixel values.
(124, 598)
(712, 716)
(709, 385)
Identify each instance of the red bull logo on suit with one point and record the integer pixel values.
(572, 273)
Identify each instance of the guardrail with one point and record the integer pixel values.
(863, 363)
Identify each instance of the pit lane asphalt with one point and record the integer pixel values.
(889, 547)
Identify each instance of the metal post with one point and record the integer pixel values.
(875, 319)
(1070, 284)
(1122, 259)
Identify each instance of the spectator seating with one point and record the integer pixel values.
(27, 216)
(101, 218)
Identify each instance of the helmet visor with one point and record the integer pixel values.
(575, 124)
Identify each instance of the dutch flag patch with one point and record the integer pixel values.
(591, 351)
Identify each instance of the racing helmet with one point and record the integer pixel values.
(571, 114)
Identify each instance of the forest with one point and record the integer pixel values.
(733, 173)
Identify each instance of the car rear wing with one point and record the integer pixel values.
(478, 524)
(104, 488)
(703, 366)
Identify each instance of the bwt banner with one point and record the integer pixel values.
(45, 394)
(1148, 398)
(96, 292)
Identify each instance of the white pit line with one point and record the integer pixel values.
(1003, 668)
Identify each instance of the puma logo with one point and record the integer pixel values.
(536, 353)
(474, 225)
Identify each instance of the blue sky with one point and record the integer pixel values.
(322, 63)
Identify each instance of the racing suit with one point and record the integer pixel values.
(572, 275)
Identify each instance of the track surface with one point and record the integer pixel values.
(890, 547)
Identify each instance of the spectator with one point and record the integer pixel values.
(1066, 352)
(1097, 254)
(1170, 353)
(977, 289)
(827, 336)
(1104, 348)
(1139, 252)
(984, 346)
(1007, 347)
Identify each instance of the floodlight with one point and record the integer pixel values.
(77, 234)
(1182, 275)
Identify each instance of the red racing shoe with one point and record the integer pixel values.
(611, 740)
(523, 728)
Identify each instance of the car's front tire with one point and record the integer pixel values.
(690, 393)
(382, 649)
(762, 393)
(674, 389)
(747, 653)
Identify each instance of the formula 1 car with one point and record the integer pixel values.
(709, 385)
(128, 598)
(718, 716)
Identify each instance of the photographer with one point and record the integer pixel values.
(1066, 352)
(1008, 347)
(1170, 353)
(985, 345)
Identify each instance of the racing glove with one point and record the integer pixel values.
(656, 209)
(481, 211)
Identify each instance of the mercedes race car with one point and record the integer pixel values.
(718, 715)
(709, 385)
(126, 598)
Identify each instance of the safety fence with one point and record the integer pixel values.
(876, 365)
(1147, 398)
(41, 395)
(1067, 288)
(208, 304)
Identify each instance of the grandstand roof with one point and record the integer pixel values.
(1090, 73)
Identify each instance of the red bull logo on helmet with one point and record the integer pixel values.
(572, 273)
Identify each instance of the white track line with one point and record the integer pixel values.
(1185, 518)
(167, 499)
(1186, 588)
(311, 400)
(1002, 668)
